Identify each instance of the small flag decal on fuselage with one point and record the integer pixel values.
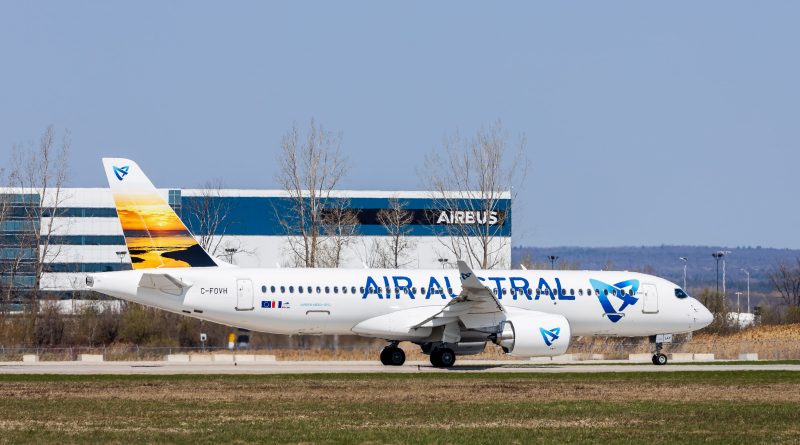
(272, 304)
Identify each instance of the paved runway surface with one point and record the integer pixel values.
(309, 367)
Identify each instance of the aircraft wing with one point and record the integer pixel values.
(476, 306)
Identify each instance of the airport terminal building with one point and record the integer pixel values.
(249, 229)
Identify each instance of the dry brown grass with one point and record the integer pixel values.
(222, 389)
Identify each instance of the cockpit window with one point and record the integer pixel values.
(680, 293)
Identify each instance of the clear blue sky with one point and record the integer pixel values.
(648, 122)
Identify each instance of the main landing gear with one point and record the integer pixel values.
(392, 355)
(443, 357)
(659, 358)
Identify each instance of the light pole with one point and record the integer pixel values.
(720, 255)
(685, 262)
(121, 255)
(553, 259)
(748, 288)
(230, 251)
(443, 261)
(717, 256)
(738, 307)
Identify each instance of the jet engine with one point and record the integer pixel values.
(534, 334)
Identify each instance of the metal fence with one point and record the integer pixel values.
(610, 349)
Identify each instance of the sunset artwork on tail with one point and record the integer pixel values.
(155, 235)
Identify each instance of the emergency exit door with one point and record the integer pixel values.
(649, 296)
(244, 295)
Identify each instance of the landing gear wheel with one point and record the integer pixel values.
(385, 356)
(660, 359)
(443, 357)
(436, 359)
(393, 356)
(447, 357)
(397, 357)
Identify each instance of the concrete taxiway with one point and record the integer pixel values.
(312, 367)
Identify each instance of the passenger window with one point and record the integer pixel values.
(283, 289)
(572, 291)
(450, 290)
(272, 289)
(353, 290)
(605, 291)
(291, 289)
(344, 289)
(597, 291)
(422, 290)
(614, 292)
(362, 289)
(538, 292)
(580, 292)
(319, 291)
(263, 289)
(300, 289)
(528, 291)
(505, 291)
(414, 290)
(335, 289)
(309, 289)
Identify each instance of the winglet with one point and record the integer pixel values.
(468, 278)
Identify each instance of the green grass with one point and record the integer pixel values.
(421, 408)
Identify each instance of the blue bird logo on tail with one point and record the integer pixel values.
(121, 172)
(550, 335)
(623, 291)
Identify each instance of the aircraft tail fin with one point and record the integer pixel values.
(154, 234)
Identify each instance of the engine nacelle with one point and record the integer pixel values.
(534, 334)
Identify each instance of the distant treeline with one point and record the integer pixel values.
(665, 262)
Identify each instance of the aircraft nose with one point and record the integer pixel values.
(703, 316)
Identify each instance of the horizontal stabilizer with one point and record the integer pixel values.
(164, 282)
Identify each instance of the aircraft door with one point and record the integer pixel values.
(244, 295)
(649, 295)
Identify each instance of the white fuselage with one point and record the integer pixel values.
(334, 301)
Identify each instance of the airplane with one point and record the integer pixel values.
(448, 313)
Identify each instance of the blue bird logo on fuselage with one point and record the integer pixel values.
(623, 291)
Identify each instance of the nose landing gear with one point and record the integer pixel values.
(659, 358)
(392, 355)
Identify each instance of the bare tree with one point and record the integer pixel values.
(212, 215)
(42, 170)
(339, 224)
(394, 249)
(469, 182)
(786, 280)
(311, 166)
